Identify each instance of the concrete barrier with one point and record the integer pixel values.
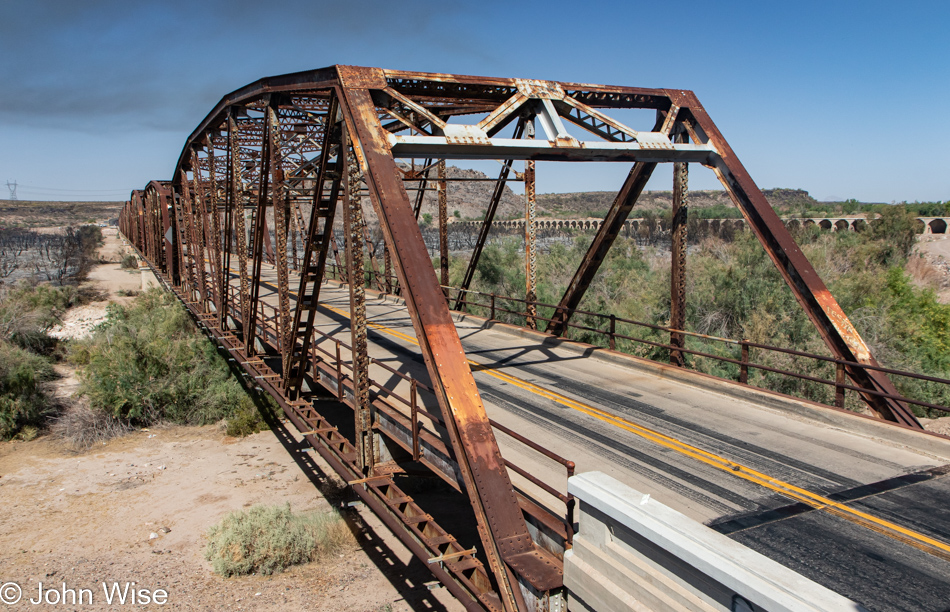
(633, 554)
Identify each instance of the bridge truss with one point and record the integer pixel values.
(253, 203)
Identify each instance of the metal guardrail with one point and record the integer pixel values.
(494, 304)
(267, 325)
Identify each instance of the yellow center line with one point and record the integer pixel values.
(789, 490)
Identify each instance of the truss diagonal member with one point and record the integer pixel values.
(436, 122)
(317, 243)
(606, 235)
(834, 326)
(498, 118)
(501, 525)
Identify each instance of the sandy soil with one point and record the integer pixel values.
(87, 518)
(136, 509)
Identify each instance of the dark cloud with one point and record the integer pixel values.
(101, 64)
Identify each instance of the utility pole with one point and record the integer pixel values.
(12, 187)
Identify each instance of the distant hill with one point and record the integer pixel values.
(26, 213)
(471, 199)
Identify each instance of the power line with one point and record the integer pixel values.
(12, 187)
(34, 188)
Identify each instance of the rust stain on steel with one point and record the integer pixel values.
(812, 294)
(274, 127)
(502, 528)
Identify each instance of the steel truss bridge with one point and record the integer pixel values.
(243, 233)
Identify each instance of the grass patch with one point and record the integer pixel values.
(267, 539)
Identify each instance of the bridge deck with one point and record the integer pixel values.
(751, 472)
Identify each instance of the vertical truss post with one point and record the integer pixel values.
(168, 234)
(388, 268)
(195, 252)
(215, 234)
(443, 229)
(228, 231)
(678, 249)
(353, 228)
(240, 227)
(530, 253)
(507, 543)
(260, 231)
(184, 271)
(205, 238)
(292, 218)
(280, 202)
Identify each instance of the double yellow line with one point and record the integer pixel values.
(819, 502)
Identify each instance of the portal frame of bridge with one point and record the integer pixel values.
(302, 142)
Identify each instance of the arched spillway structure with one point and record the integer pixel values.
(274, 164)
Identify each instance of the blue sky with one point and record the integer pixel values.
(844, 99)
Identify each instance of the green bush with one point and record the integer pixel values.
(23, 404)
(147, 362)
(734, 291)
(129, 262)
(268, 539)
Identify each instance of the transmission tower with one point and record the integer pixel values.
(12, 188)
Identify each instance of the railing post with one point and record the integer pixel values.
(744, 363)
(839, 390)
(613, 330)
(415, 419)
(491, 317)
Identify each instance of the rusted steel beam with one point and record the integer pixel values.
(354, 229)
(421, 193)
(236, 205)
(280, 203)
(319, 240)
(530, 247)
(284, 139)
(678, 257)
(443, 227)
(500, 523)
(833, 325)
(260, 231)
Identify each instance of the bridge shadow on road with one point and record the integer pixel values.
(410, 579)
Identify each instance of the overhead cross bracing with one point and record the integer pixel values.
(255, 198)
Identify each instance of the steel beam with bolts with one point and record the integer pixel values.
(273, 161)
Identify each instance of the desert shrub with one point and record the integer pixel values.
(248, 419)
(81, 427)
(734, 291)
(129, 262)
(268, 539)
(23, 404)
(147, 363)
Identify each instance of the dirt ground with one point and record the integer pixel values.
(935, 249)
(136, 509)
